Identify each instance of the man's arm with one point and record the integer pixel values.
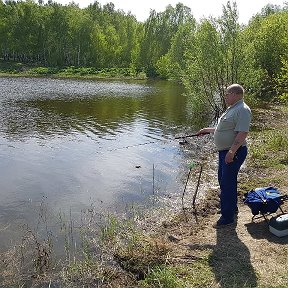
(239, 139)
(206, 130)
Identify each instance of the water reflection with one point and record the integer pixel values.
(78, 142)
(97, 110)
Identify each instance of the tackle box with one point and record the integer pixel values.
(278, 225)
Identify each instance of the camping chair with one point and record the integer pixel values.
(264, 201)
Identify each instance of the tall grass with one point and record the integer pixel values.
(91, 250)
(270, 147)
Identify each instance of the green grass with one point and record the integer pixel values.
(162, 276)
(270, 148)
(21, 69)
(197, 275)
(267, 158)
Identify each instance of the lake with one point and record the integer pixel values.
(70, 144)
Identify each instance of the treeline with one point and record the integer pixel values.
(55, 35)
(204, 56)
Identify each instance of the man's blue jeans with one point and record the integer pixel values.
(227, 177)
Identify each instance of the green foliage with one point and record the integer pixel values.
(56, 35)
(198, 274)
(208, 58)
(70, 71)
(277, 141)
(183, 43)
(43, 71)
(110, 230)
(163, 66)
(159, 31)
(219, 52)
(265, 48)
(282, 83)
(79, 270)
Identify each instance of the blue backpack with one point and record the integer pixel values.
(264, 200)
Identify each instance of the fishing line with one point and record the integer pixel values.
(183, 141)
(133, 146)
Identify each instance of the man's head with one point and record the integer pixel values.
(233, 94)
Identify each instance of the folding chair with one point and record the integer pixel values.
(264, 201)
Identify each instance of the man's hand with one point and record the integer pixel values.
(205, 131)
(229, 158)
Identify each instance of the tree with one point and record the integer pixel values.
(266, 50)
(78, 39)
(214, 60)
(57, 41)
(173, 65)
(159, 30)
(58, 35)
(282, 83)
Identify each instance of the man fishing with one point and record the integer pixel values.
(230, 139)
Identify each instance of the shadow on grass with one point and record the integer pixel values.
(230, 260)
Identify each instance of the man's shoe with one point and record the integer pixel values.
(223, 223)
(236, 211)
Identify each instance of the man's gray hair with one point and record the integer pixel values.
(236, 88)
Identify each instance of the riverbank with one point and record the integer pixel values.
(176, 246)
(197, 255)
(14, 69)
(246, 256)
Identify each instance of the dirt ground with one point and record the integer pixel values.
(247, 252)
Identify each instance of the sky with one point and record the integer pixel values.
(200, 8)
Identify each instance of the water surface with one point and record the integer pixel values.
(72, 143)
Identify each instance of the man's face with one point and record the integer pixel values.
(230, 98)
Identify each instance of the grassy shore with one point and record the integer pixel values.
(14, 69)
(184, 250)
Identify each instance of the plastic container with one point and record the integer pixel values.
(279, 225)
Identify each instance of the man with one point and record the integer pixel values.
(230, 139)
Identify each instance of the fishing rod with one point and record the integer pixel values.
(183, 140)
(191, 135)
